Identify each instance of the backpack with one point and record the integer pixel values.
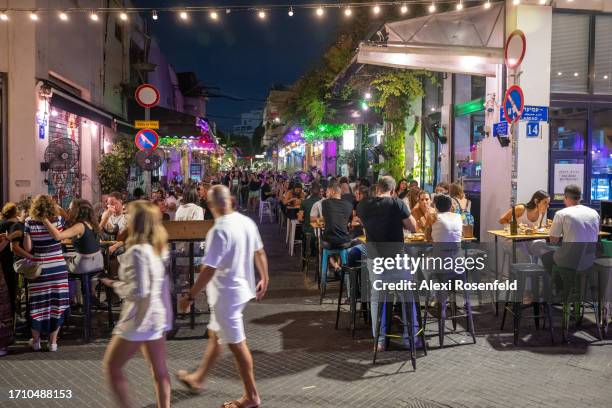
(466, 215)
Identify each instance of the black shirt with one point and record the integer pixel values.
(207, 213)
(350, 198)
(336, 214)
(382, 218)
(6, 256)
(18, 226)
(88, 243)
(266, 191)
(254, 185)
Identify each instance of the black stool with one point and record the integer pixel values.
(85, 278)
(355, 295)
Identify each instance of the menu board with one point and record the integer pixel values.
(566, 174)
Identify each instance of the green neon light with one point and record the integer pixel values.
(466, 108)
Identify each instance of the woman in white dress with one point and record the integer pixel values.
(146, 312)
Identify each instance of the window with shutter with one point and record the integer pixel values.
(570, 53)
(602, 81)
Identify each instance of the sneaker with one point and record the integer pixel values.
(34, 345)
(3, 351)
(53, 347)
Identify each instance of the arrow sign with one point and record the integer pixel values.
(514, 103)
(146, 139)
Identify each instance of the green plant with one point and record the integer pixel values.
(114, 166)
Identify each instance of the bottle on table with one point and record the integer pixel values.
(514, 222)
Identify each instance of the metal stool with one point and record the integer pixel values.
(326, 252)
(265, 208)
(355, 295)
(521, 272)
(603, 268)
(85, 279)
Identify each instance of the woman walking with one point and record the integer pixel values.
(48, 295)
(146, 312)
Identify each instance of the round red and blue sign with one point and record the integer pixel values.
(514, 103)
(147, 139)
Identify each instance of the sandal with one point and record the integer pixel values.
(180, 375)
(238, 404)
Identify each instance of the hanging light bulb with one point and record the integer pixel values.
(261, 14)
(432, 7)
(516, 2)
(487, 5)
(368, 95)
(154, 15)
(460, 5)
(183, 15)
(320, 11)
(542, 2)
(3, 16)
(348, 12)
(214, 15)
(376, 9)
(63, 16)
(33, 16)
(404, 9)
(290, 12)
(123, 16)
(93, 16)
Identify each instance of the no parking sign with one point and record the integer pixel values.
(514, 103)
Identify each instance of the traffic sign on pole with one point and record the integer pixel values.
(147, 96)
(514, 103)
(146, 139)
(514, 51)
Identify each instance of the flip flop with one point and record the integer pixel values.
(192, 390)
(237, 404)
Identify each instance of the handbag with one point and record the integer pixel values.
(28, 268)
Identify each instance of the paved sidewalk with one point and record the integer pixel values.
(301, 361)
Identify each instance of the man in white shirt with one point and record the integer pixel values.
(228, 274)
(578, 226)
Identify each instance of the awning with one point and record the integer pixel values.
(469, 41)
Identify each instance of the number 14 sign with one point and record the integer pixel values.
(533, 129)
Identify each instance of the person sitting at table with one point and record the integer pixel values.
(163, 208)
(266, 191)
(336, 214)
(578, 227)
(306, 208)
(294, 195)
(446, 226)
(532, 215)
(423, 211)
(114, 220)
(346, 191)
(402, 189)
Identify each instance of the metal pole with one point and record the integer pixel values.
(147, 174)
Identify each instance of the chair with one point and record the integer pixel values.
(325, 254)
(85, 279)
(603, 268)
(292, 227)
(535, 272)
(265, 208)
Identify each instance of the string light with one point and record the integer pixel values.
(605, 77)
(33, 16)
(183, 15)
(154, 15)
(214, 15)
(404, 9)
(3, 16)
(261, 14)
(432, 7)
(376, 9)
(63, 16)
(123, 16)
(460, 5)
(368, 95)
(487, 5)
(93, 16)
(320, 11)
(542, 2)
(348, 12)
(290, 12)
(516, 2)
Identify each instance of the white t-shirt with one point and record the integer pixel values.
(447, 228)
(172, 204)
(577, 225)
(317, 209)
(230, 248)
(189, 212)
(116, 223)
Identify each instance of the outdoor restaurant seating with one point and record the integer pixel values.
(325, 254)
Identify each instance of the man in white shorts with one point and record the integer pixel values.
(228, 274)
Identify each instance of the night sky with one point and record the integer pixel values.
(241, 54)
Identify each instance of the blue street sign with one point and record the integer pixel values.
(41, 131)
(500, 129)
(513, 105)
(533, 129)
(146, 139)
(530, 114)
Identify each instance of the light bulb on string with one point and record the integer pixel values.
(516, 2)
(487, 5)
(290, 13)
(320, 11)
(214, 15)
(33, 16)
(348, 12)
(261, 14)
(542, 2)
(123, 16)
(93, 16)
(3, 16)
(404, 9)
(460, 5)
(154, 15)
(376, 9)
(63, 16)
(183, 15)
(432, 7)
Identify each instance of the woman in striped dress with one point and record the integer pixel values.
(48, 294)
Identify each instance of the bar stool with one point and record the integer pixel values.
(521, 272)
(265, 208)
(325, 254)
(473, 274)
(292, 227)
(355, 295)
(306, 251)
(446, 300)
(603, 268)
(85, 279)
(409, 308)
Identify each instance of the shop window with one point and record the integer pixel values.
(602, 77)
(570, 53)
(601, 154)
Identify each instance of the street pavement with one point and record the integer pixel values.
(301, 361)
